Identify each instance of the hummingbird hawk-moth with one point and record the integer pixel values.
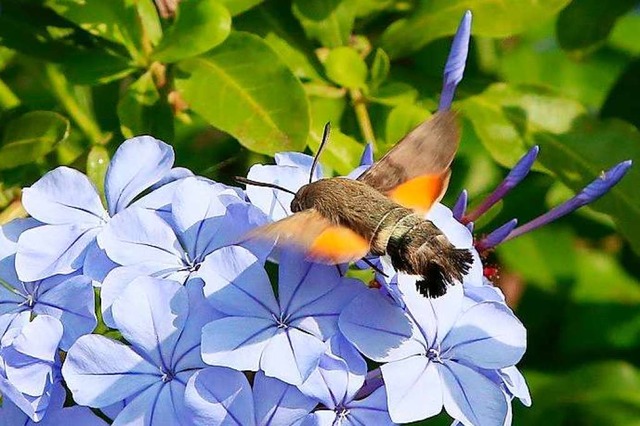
(382, 212)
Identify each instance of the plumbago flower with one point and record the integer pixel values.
(69, 298)
(71, 211)
(284, 336)
(204, 217)
(161, 320)
(56, 414)
(29, 363)
(271, 402)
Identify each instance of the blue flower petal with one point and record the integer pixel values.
(152, 406)
(331, 383)
(9, 234)
(292, 355)
(137, 164)
(53, 249)
(198, 211)
(370, 410)
(278, 403)
(219, 396)
(236, 342)
(100, 371)
(472, 398)
(113, 286)
(320, 418)
(380, 329)
(64, 196)
(139, 237)
(237, 284)
(151, 314)
(414, 389)
(487, 335)
(97, 264)
(72, 302)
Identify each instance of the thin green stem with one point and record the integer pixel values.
(8, 99)
(63, 93)
(362, 115)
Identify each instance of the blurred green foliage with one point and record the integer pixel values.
(231, 82)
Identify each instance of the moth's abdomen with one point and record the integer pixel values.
(418, 247)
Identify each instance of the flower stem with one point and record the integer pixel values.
(362, 115)
(61, 90)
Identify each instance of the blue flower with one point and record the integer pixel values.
(161, 320)
(434, 351)
(337, 384)
(204, 217)
(29, 363)
(55, 415)
(222, 396)
(285, 336)
(69, 206)
(69, 298)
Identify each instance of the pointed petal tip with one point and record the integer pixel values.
(460, 206)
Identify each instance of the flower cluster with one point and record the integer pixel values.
(196, 328)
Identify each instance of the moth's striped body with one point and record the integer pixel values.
(415, 245)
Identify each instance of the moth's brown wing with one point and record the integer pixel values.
(415, 172)
(315, 235)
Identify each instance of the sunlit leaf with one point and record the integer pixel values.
(266, 111)
(31, 136)
(199, 26)
(345, 67)
(330, 22)
(438, 18)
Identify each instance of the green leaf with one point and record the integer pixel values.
(505, 118)
(200, 25)
(150, 20)
(141, 110)
(622, 100)
(402, 119)
(31, 137)
(96, 67)
(114, 20)
(278, 27)
(580, 155)
(97, 164)
(602, 393)
(342, 153)
(345, 67)
(328, 21)
(438, 18)
(266, 111)
(586, 23)
(625, 33)
(379, 69)
(394, 93)
(546, 258)
(236, 7)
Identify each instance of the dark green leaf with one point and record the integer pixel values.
(328, 21)
(345, 67)
(622, 101)
(142, 111)
(586, 23)
(114, 20)
(278, 27)
(580, 155)
(31, 137)
(506, 117)
(200, 25)
(236, 7)
(438, 18)
(96, 67)
(603, 393)
(266, 111)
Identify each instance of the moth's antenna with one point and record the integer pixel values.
(325, 138)
(246, 181)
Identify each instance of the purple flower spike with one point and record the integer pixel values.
(461, 205)
(589, 194)
(497, 236)
(454, 68)
(515, 176)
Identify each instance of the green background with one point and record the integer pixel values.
(231, 82)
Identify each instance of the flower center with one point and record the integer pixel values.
(341, 413)
(434, 355)
(30, 300)
(280, 320)
(167, 376)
